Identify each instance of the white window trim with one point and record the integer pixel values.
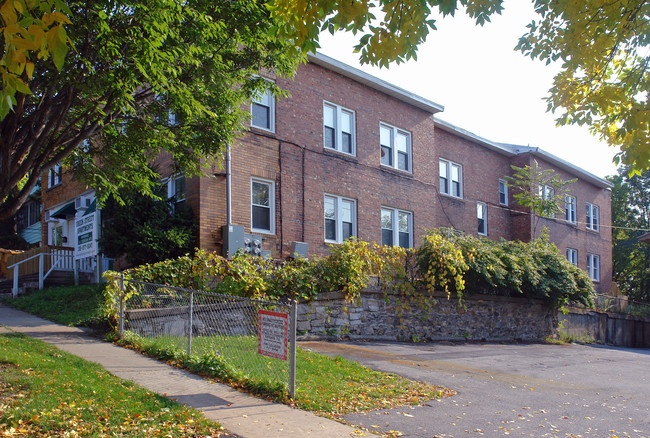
(484, 208)
(570, 214)
(449, 165)
(546, 192)
(572, 256)
(271, 185)
(171, 187)
(593, 267)
(395, 220)
(338, 111)
(504, 184)
(256, 100)
(57, 171)
(338, 207)
(594, 213)
(394, 130)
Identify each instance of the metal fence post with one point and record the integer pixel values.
(41, 268)
(122, 306)
(292, 342)
(189, 335)
(76, 264)
(14, 290)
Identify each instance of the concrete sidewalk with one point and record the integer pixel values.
(238, 412)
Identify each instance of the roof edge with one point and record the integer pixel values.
(374, 82)
(563, 164)
(497, 147)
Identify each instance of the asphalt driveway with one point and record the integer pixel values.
(533, 390)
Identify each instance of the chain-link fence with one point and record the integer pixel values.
(255, 337)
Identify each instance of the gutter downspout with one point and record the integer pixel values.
(228, 187)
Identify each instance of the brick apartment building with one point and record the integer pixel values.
(348, 154)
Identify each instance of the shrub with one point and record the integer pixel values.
(447, 261)
(535, 270)
(442, 264)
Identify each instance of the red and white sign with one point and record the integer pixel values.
(272, 336)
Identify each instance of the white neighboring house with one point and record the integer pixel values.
(75, 225)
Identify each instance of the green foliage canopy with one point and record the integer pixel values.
(631, 219)
(133, 63)
(603, 46)
(147, 230)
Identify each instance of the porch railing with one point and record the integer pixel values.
(61, 256)
(41, 261)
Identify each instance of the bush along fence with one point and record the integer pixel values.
(237, 339)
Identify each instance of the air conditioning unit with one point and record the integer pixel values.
(81, 203)
(299, 250)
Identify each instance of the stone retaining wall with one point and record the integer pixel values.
(480, 317)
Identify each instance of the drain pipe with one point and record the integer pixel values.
(228, 187)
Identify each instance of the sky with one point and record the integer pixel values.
(486, 86)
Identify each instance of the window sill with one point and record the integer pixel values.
(254, 128)
(54, 187)
(399, 172)
(334, 242)
(451, 197)
(264, 233)
(342, 155)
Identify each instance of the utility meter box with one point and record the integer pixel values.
(233, 239)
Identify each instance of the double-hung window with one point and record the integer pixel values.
(340, 218)
(395, 147)
(547, 193)
(176, 189)
(338, 128)
(481, 216)
(570, 209)
(28, 215)
(503, 192)
(396, 227)
(451, 178)
(592, 216)
(55, 175)
(262, 206)
(572, 256)
(263, 111)
(593, 266)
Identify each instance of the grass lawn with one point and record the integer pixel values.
(45, 392)
(329, 386)
(67, 305)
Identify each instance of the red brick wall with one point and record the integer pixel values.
(481, 170)
(303, 171)
(360, 177)
(566, 235)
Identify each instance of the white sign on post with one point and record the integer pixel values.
(86, 236)
(273, 330)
